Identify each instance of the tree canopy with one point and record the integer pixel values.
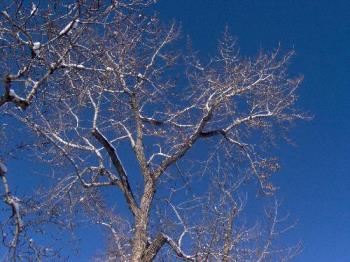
(131, 131)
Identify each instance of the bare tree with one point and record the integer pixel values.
(120, 116)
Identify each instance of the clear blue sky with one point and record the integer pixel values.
(314, 180)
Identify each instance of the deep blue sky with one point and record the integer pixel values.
(314, 180)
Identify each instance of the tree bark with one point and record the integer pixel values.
(141, 222)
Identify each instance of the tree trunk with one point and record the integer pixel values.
(141, 222)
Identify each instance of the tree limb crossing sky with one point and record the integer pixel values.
(314, 180)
